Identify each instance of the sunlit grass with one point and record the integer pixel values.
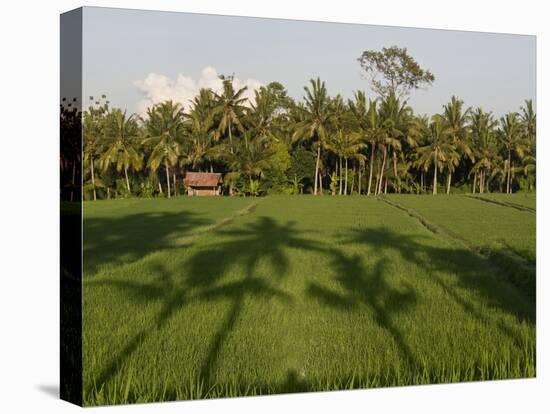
(294, 294)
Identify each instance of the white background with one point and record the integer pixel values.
(29, 269)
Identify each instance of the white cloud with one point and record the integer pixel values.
(157, 88)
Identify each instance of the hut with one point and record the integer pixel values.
(203, 184)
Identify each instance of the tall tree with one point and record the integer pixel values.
(230, 108)
(485, 148)
(369, 125)
(529, 125)
(511, 138)
(164, 128)
(199, 131)
(121, 135)
(457, 120)
(393, 70)
(396, 116)
(316, 117)
(438, 150)
(92, 128)
(529, 120)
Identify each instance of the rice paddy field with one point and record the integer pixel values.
(216, 297)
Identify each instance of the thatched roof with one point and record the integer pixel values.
(200, 179)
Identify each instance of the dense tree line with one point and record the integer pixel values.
(320, 144)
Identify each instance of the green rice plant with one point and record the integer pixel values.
(217, 297)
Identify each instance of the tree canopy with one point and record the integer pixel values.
(273, 143)
(392, 69)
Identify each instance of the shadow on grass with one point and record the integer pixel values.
(472, 272)
(118, 240)
(368, 287)
(232, 269)
(264, 239)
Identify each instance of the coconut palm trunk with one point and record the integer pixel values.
(508, 172)
(475, 182)
(481, 179)
(395, 172)
(449, 182)
(382, 171)
(230, 139)
(126, 176)
(93, 176)
(167, 178)
(346, 185)
(317, 169)
(175, 186)
(340, 181)
(371, 168)
(435, 174)
(359, 176)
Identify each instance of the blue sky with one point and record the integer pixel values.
(139, 57)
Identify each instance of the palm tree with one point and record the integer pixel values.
(529, 120)
(439, 149)
(375, 135)
(230, 109)
(395, 117)
(121, 134)
(529, 126)
(263, 112)
(316, 117)
(457, 121)
(200, 133)
(92, 127)
(164, 127)
(335, 144)
(369, 125)
(352, 144)
(511, 139)
(484, 145)
(421, 133)
(251, 158)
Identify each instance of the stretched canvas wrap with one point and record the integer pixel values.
(260, 206)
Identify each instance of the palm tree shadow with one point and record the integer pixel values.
(246, 249)
(113, 241)
(162, 289)
(472, 271)
(264, 239)
(368, 288)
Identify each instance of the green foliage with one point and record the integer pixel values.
(302, 166)
(291, 146)
(254, 188)
(121, 189)
(147, 188)
(400, 72)
(280, 160)
(334, 180)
